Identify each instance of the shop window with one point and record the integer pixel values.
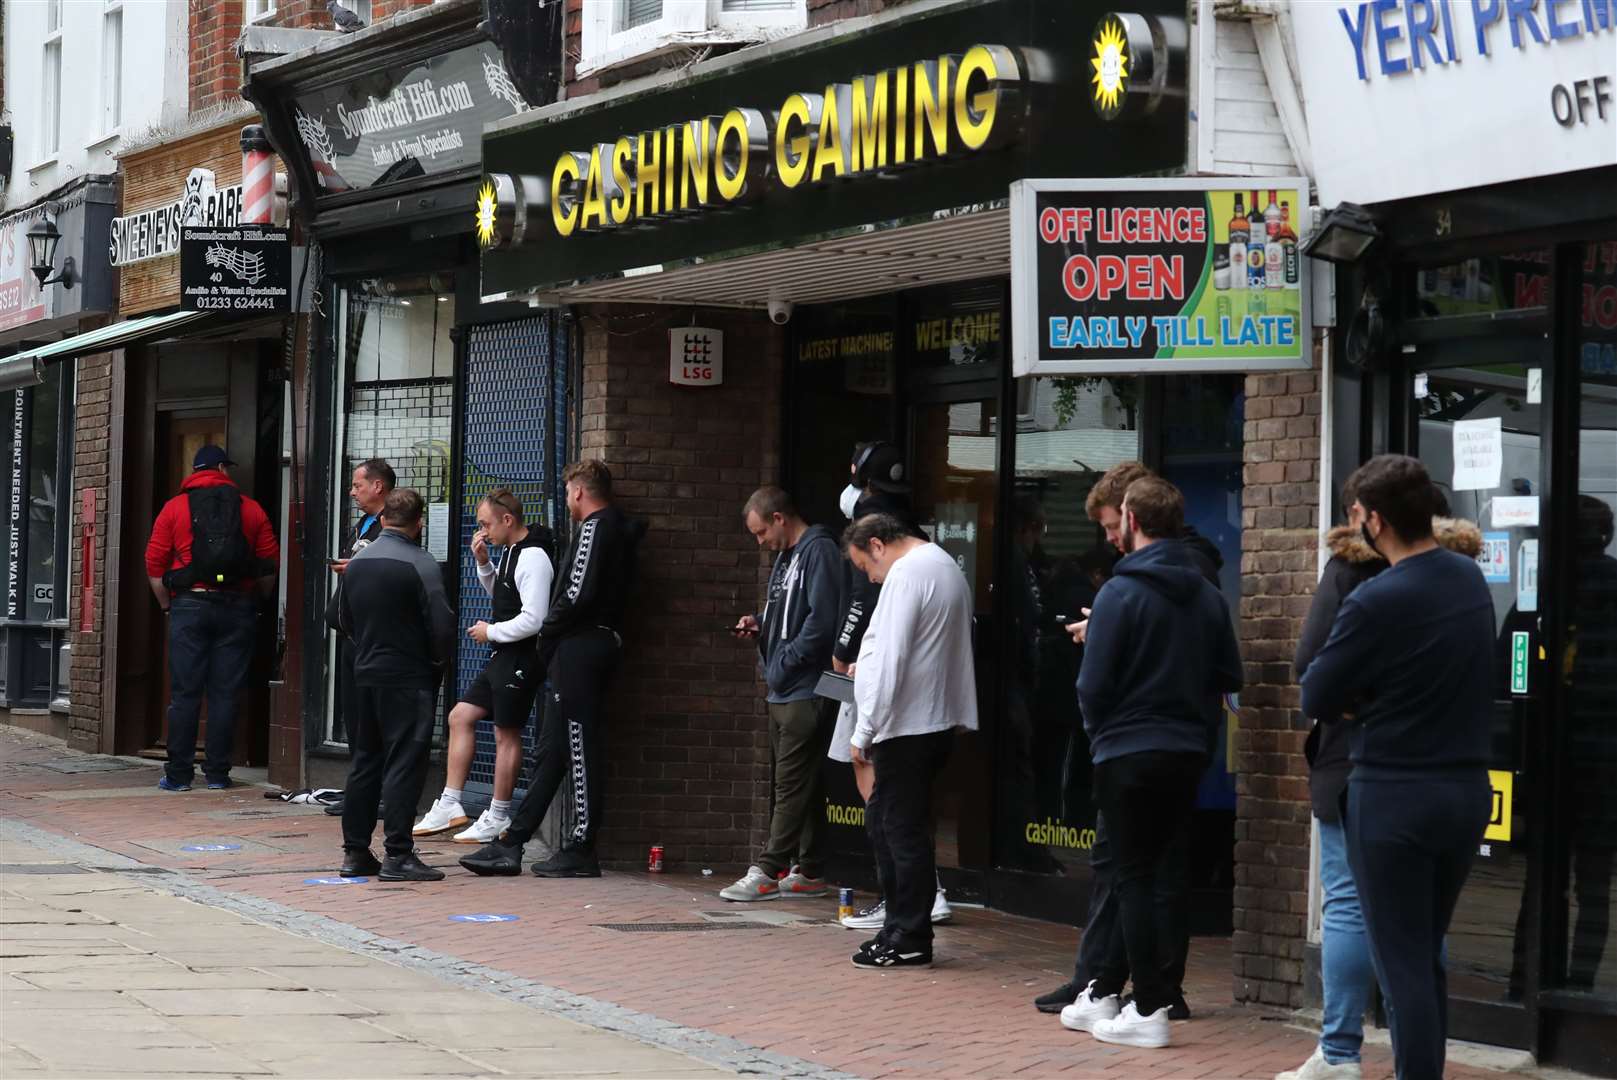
(40, 579)
(615, 32)
(396, 385)
(1484, 284)
(1069, 431)
(957, 326)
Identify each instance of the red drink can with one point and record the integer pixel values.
(654, 864)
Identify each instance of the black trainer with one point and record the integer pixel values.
(358, 862)
(408, 868)
(494, 859)
(882, 956)
(1178, 1009)
(1057, 999)
(568, 863)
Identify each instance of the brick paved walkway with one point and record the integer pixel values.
(785, 988)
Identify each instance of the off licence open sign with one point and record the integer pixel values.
(1159, 275)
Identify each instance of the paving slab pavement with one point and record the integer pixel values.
(779, 999)
(114, 992)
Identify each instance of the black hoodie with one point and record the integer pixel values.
(862, 592)
(1160, 650)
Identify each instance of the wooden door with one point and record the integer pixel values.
(179, 438)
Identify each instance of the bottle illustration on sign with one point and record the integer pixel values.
(1256, 272)
(1291, 268)
(1238, 237)
(1274, 269)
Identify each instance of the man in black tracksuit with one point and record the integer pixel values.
(368, 487)
(1409, 660)
(579, 643)
(393, 609)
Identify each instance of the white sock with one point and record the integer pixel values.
(500, 809)
(450, 797)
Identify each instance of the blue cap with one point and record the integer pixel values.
(210, 457)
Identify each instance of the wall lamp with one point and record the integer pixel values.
(42, 241)
(1344, 235)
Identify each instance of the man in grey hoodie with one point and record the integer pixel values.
(803, 608)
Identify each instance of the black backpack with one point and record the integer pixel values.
(219, 552)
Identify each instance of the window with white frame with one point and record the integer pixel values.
(622, 31)
(254, 10)
(112, 66)
(50, 96)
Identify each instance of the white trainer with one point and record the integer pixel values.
(941, 912)
(1088, 1010)
(1317, 1068)
(873, 917)
(486, 829)
(440, 818)
(754, 885)
(1129, 1028)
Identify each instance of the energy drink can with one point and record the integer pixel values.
(844, 903)
(654, 863)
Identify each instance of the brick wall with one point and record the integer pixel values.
(216, 24)
(1279, 562)
(688, 762)
(91, 447)
(821, 12)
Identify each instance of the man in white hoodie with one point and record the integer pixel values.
(914, 684)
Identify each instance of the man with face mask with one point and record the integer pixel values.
(1160, 651)
(876, 486)
(1409, 659)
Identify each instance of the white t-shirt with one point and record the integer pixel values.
(915, 673)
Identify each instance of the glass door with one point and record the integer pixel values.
(1479, 427)
(954, 461)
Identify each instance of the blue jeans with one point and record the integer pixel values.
(1347, 973)
(210, 647)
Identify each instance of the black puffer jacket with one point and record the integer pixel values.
(1352, 563)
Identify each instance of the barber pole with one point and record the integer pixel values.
(257, 177)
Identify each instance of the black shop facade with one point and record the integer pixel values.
(406, 362)
(834, 219)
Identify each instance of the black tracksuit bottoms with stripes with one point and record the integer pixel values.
(568, 751)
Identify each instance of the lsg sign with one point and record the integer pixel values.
(695, 356)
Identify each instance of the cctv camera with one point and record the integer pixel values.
(780, 312)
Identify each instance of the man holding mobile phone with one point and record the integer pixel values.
(803, 607)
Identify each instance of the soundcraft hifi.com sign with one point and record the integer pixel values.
(1159, 275)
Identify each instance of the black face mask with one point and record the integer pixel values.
(1364, 531)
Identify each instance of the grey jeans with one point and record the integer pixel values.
(799, 735)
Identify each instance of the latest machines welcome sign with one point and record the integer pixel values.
(1159, 275)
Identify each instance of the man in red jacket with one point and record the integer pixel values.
(211, 547)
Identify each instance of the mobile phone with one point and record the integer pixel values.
(334, 562)
(741, 630)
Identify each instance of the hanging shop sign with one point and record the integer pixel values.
(155, 232)
(905, 120)
(1158, 275)
(245, 269)
(1412, 99)
(404, 121)
(696, 356)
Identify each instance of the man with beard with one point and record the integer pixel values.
(1102, 943)
(1160, 651)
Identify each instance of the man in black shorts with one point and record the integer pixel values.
(507, 686)
(579, 645)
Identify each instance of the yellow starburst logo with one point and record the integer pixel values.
(1111, 64)
(486, 210)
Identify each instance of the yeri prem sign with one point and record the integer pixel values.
(1158, 275)
(1415, 98)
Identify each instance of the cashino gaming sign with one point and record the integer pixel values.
(926, 114)
(1179, 275)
